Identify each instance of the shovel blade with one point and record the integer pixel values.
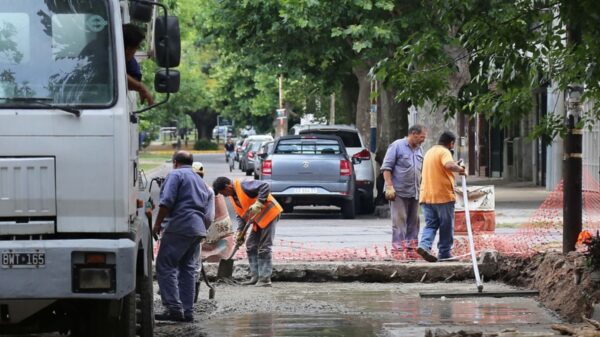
(225, 269)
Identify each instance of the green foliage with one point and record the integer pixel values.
(512, 48)
(205, 144)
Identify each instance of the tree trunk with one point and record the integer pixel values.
(393, 122)
(204, 120)
(346, 113)
(363, 102)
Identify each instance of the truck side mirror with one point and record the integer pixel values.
(140, 11)
(173, 35)
(166, 83)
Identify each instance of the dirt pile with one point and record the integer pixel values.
(563, 281)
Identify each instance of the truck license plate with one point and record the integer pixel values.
(305, 190)
(23, 259)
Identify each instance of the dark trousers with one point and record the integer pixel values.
(176, 269)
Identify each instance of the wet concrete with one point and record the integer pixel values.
(356, 309)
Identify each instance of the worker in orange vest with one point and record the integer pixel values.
(252, 201)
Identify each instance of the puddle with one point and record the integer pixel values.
(269, 324)
(359, 309)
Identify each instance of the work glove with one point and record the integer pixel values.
(255, 208)
(240, 238)
(390, 193)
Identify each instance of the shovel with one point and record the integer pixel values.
(211, 291)
(225, 270)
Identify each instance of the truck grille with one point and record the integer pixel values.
(27, 192)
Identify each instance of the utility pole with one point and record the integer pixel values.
(281, 113)
(332, 110)
(373, 118)
(572, 158)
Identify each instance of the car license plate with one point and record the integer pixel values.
(23, 259)
(305, 190)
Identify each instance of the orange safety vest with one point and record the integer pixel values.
(271, 210)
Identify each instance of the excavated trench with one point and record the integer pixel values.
(382, 299)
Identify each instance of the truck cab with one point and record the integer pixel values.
(75, 250)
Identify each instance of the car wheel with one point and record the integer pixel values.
(367, 205)
(249, 172)
(349, 209)
(256, 176)
(287, 208)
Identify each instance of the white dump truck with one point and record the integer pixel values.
(75, 246)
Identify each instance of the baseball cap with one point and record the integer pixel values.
(197, 167)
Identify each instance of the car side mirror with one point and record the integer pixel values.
(166, 83)
(356, 161)
(167, 31)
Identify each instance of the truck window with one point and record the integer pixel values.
(57, 52)
(349, 138)
(308, 146)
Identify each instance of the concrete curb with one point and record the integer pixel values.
(363, 271)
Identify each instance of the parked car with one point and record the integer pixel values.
(362, 159)
(245, 143)
(238, 149)
(222, 132)
(247, 158)
(265, 150)
(311, 170)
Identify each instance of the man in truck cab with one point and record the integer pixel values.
(252, 201)
(133, 37)
(187, 205)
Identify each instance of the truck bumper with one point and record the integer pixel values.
(61, 275)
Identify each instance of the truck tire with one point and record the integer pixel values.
(348, 209)
(145, 300)
(127, 321)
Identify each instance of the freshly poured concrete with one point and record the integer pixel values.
(357, 309)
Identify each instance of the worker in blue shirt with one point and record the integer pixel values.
(187, 206)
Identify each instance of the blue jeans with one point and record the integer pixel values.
(438, 216)
(176, 268)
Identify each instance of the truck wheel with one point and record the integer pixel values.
(348, 209)
(145, 301)
(127, 321)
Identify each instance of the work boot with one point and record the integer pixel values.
(265, 268)
(425, 254)
(253, 264)
(169, 315)
(251, 281)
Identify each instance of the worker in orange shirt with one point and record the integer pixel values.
(437, 198)
(252, 201)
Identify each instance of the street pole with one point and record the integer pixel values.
(281, 113)
(373, 119)
(572, 169)
(572, 158)
(332, 110)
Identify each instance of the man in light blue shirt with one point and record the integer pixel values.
(187, 206)
(402, 174)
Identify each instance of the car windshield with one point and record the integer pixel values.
(308, 146)
(349, 138)
(55, 52)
